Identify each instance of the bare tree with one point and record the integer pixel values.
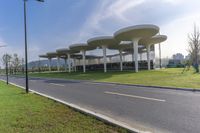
(194, 47)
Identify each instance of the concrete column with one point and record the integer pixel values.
(148, 57)
(98, 60)
(104, 58)
(49, 64)
(121, 62)
(69, 62)
(58, 63)
(135, 49)
(124, 57)
(65, 64)
(140, 56)
(154, 57)
(75, 65)
(83, 54)
(110, 59)
(79, 62)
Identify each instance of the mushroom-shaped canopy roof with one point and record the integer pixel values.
(65, 51)
(102, 40)
(137, 31)
(123, 45)
(62, 50)
(52, 54)
(141, 49)
(81, 46)
(79, 56)
(153, 40)
(43, 56)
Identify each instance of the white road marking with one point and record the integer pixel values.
(57, 84)
(134, 96)
(95, 83)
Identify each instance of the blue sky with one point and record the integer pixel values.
(59, 23)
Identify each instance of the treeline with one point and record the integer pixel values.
(13, 62)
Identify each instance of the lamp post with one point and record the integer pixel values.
(26, 53)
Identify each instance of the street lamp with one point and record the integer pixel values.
(26, 54)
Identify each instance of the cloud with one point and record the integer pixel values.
(105, 11)
(175, 18)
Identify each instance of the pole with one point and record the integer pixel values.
(7, 69)
(160, 63)
(26, 54)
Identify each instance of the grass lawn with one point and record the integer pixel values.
(172, 77)
(30, 113)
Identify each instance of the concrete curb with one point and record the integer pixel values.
(159, 87)
(86, 111)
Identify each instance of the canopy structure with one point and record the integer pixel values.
(66, 54)
(43, 56)
(121, 47)
(102, 42)
(150, 41)
(82, 47)
(134, 34)
(134, 40)
(54, 55)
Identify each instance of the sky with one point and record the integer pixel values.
(59, 23)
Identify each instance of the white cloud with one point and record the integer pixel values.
(176, 19)
(105, 11)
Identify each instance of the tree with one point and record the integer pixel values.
(16, 63)
(4, 59)
(194, 47)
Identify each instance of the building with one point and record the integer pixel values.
(134, 41)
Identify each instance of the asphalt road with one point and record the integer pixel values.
(152, 109)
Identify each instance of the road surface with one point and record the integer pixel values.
(151, 109)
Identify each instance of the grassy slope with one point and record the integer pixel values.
(166, 77)
(30, 113)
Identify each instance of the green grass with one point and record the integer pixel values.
(30, 113)
(172, 77)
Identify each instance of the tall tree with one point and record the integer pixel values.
(16, 62)
(194, 47)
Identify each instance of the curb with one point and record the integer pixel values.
(101, 117)
(151, 86)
